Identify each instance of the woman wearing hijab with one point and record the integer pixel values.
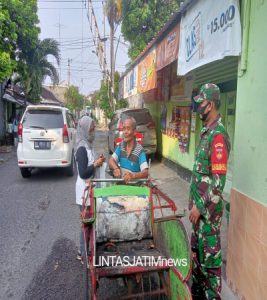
(86, 161)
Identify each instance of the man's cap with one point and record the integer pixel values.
(209, 92)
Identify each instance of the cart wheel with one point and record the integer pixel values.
(87, 284)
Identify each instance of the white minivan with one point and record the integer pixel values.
(46, 136)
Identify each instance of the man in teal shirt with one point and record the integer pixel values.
(129, 158)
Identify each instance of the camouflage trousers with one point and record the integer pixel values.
(206, 247)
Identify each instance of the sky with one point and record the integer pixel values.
(66, 21)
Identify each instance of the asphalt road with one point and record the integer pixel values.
(39, 233)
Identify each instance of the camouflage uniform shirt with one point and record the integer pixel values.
(207, 184)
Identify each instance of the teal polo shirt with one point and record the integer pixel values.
(135, 162)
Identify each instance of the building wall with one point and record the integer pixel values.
(247, 245)
(252, 113)
(59, 91)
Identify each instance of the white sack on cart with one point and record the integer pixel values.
(123, 218)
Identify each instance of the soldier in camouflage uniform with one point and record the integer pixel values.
(205, 199)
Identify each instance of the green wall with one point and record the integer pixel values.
(250, 166)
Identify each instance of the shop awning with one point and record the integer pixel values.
(17, 101)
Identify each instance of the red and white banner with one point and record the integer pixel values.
(167, 50)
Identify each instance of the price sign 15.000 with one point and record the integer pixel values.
(224, 21)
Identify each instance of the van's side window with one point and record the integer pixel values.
(70, 121)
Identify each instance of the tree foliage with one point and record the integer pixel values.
(35, 67)
(94, 100)
(143, 19)
(103, 96)
(20, 49)
(74, 98)
(18, 33)
(113, 11)
(122, 103)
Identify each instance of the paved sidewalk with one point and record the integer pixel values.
(178, 189)
(7, 156)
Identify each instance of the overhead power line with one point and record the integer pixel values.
(99, 43)
(63, 8)
(68, 1)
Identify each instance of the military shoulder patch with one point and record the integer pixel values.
(219, 155)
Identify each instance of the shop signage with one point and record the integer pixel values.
(136, 101)
(147, 77)
(163, 83)
(130, 83)
(167, 50)
(210, 30)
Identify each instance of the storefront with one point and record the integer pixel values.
(202, 57)
(12, 104)
(201, 44)
(209, 48)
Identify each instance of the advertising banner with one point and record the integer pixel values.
(130, 83)
(210, 30)
(147, 77)
(163, 84)
(167, 50)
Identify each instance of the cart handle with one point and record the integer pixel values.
(119, 180)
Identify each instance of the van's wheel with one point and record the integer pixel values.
(152, 156)
(25, 172)
(109, 150)
(70, 170)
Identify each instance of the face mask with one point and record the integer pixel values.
(200, 111)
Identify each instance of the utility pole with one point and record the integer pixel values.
(59, 25)
(69, 61)
(114, 14)
(104, 24)
(98, 41)
(112, 64)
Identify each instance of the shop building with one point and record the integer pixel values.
(211, 50)
(247, 234)
(155, 81)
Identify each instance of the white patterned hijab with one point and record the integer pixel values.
(83, 138)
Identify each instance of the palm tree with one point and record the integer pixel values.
(34, 68)
(113, 11)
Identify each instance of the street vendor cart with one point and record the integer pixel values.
(134, 233)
